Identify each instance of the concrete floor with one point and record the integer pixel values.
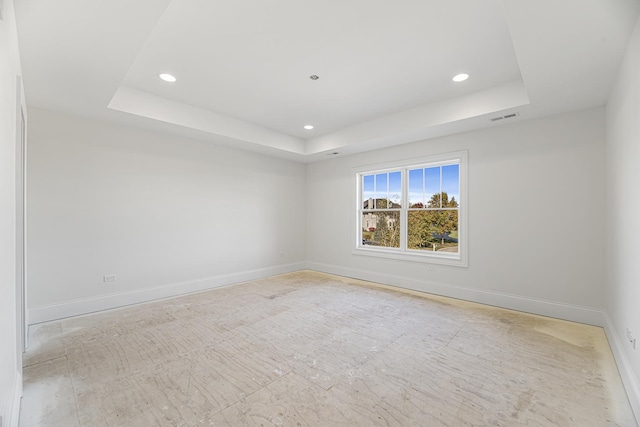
(313, 349)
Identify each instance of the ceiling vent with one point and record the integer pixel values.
(506, 116)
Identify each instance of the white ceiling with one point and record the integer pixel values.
(385, 67)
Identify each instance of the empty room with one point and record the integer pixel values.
(292, 213)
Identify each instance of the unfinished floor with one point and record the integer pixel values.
(313, 349)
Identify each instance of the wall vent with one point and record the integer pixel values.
(506, 116)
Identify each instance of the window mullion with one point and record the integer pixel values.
(375, 192)
(424, 186)
(441, 197)
(388, 192)
(404, 200)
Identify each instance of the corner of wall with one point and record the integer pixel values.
(629, 380)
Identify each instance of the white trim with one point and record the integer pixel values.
(629, 380)
(441, 159)
(13, 417)
(21, 240)
(574, 313)
(105, 302)
(442, 258)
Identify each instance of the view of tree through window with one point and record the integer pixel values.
(432, 222)
(382, 194)
(413, 209)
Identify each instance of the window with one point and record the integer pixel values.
(414, 210)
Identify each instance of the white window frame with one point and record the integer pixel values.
(459, 259)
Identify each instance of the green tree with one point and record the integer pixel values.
(423, 224)
(418, 229)
(434, 202)
(445, 221)
(387, 231)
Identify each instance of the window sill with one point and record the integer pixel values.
(455, 260)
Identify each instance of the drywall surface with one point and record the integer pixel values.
(165, 215)
(536, 211)
(622, 285)
(10, 362)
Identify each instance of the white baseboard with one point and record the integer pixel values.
(574, 313)
(630, 381)
(13, 417)
(106, 302)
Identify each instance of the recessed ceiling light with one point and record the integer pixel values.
(460, 77)
(308, 127)
(167, 77)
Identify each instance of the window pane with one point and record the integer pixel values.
(395, 189)
(433, 230)
(432, 186)
(381, 228)
(451, 185)
(416, 188)
(381, 190)
(368, 194)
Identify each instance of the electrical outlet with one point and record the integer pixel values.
(631, 338)
(109, 278)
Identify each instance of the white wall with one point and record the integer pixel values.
(622, 285)
(169, 215)
(10, 362)
(536, 209)
(166, 215)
